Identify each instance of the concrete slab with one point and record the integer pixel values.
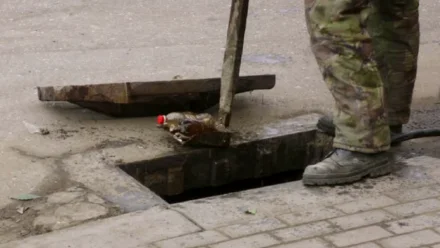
(70, 207)
(150, 226)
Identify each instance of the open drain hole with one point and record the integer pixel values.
(201, 173)
(233, 187)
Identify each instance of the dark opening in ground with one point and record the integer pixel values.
(247, 184)
(201, 173)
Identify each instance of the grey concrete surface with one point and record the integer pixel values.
(59, 210)
(154, 224)
(50, 42)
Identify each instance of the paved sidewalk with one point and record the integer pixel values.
(400, 210)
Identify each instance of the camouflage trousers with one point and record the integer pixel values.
(367, 52)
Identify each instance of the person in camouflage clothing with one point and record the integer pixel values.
(367, 52)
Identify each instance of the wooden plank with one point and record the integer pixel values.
(232, 58)
(124, 93)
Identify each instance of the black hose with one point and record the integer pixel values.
(424, 133)
(326, 125)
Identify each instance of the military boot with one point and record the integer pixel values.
(326, 125)
(342, 166)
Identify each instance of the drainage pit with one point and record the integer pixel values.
(259, 160)
(235, 186)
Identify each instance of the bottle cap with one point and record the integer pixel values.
(160, 119)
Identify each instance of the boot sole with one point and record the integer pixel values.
(378, 171)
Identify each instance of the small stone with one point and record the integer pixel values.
(63, 197)
(75, 189)
(95, 199)
(24, 232)
(22, 209)
(46, 223)
(44, 131)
